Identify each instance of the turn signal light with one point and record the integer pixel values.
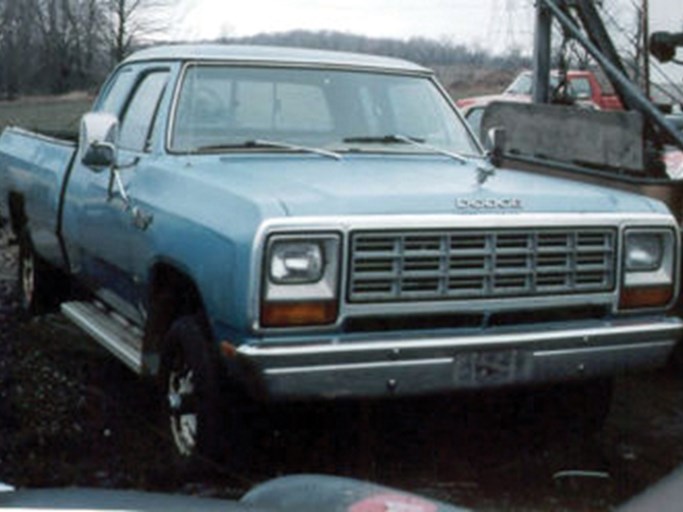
(298, 314)
(228, 349)
(647, 297)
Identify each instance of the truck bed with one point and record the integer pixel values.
(33, 168)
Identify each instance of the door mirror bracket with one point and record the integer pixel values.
(497, 138)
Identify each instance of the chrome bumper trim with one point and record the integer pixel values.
(357, 367)
(599, 350)
(586, 335)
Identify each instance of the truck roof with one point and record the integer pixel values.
(274, 55)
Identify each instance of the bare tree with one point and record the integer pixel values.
(134, 20)
(16, 42)
(89, 43)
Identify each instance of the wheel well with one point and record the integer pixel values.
(17, 212)
(172, 294)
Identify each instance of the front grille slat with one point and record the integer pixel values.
(480, 264)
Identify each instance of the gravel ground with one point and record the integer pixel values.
(72, 415)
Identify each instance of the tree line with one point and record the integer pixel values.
(56, 46)
(425, 51)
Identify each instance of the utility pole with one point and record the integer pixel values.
(542, 51)
(646, 46)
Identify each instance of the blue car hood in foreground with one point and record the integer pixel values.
(311, 185)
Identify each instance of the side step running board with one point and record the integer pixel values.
(114, 333)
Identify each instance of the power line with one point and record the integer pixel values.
(511, 23)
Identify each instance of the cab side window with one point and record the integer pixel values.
(114, 93)
(138, 117)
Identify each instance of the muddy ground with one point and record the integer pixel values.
(70, 415)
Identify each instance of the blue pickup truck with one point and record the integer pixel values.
(248, 223)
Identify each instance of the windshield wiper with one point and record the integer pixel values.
(405, 139)
(262, 143)
(484, 169)
(383, 139)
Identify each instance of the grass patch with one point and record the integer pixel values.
(60, 114)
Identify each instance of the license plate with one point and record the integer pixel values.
(489, 367)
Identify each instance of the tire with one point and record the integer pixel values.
(40, 287)
(191, 388)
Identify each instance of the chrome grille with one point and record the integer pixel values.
(480, 264)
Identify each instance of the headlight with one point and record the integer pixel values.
(649, 268)
(300, 286)
(296, 262)
(644, 251)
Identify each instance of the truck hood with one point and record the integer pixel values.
(311, 185)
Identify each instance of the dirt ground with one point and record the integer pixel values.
(70, 415)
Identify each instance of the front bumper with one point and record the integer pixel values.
(380, 366)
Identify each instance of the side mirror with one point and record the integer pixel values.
(496, 145)
(98, 140)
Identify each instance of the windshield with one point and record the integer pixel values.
(223, 107)
(522, 85)
(581, 87)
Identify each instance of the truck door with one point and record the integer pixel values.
(105, 222)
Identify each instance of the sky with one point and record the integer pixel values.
(494, 24)
(465, 21)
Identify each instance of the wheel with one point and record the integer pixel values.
(40, 288)
(190, 380)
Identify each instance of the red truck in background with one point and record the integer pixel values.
(584, 88)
